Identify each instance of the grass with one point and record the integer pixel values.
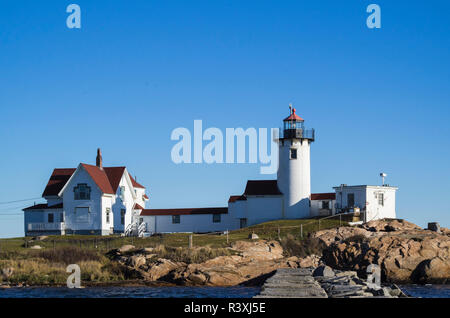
(47, 266)
(268, 230)
(186, 255)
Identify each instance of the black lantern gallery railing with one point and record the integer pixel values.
(299, 133)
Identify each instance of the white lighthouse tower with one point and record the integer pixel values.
(294, 176)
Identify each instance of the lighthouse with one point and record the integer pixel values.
(294, 176)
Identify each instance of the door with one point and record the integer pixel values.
(243, 223)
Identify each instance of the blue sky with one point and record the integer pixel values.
(378, 98)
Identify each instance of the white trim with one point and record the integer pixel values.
(73, 175)
(130, 184)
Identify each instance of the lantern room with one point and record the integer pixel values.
(294, 127)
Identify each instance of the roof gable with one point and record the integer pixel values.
(107, 179)
(135, 183)
(114, 175)
(262, 187)
(57, 181)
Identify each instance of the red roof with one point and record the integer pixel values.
(323, 196)
(184, 211)
(145, 196)
(137, 207)
(235, 198)
(107, 179)
(57, 181)
(100, 178)
(114, 175)
(44, 206)
(293, 116)
(262, 187)
(135, 183)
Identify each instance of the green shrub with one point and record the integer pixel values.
(69, 255)
(189, 256)
(301, 248)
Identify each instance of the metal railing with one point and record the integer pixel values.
(298, 133)
(57, 226)
(142, 229)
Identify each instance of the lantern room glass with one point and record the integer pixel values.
(293, 124)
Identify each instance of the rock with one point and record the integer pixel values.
(351, 274)
(398, 253)
(137, 261)
(256, 259)
(149, 250)
(434, 226)
(396, 292)
(435, 270)
(161, 268)
(294, 262)
(324, 271)
(253, 236)
(126, 248)
(334, 235)
(309, 261)
(41, 238)
(390, 225)
(36, 247)
(386, 291)
(7, 272)
(259, 250)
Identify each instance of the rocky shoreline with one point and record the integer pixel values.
(404, 252)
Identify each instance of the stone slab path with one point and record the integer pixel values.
(292, 283)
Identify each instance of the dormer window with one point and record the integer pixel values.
(82, 192)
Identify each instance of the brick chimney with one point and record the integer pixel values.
(99, 160)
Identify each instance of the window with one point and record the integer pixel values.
(82, 192)
(326, 205)
(108, 210)
(50, 217)
(381, 199)
(350, 200)
(175, 219)
(216, 218)
(293, 153)
(61, 217)
(122, 216)
(122, 193)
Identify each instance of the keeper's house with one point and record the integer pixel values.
(87, 200)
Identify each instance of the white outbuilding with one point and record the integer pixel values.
(377, 202)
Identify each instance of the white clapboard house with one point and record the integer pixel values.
(87, 200)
